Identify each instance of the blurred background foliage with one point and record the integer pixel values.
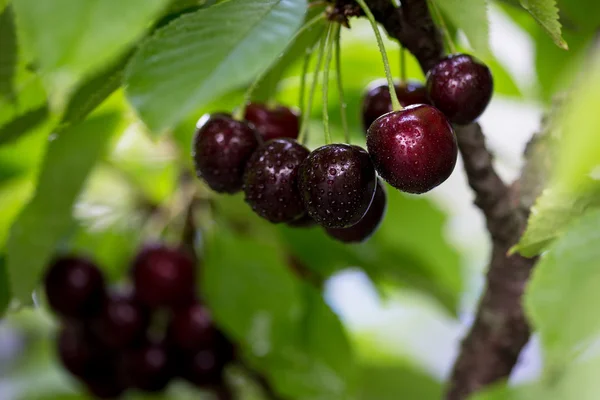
(104, 183)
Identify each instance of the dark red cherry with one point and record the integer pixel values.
(222, 146)
(74, 287)
(461, 87)
(164, 276)
(81, 354)
(414, 150)
(107, 386)
(192, 328)
(377, 100)
(122, 321)
(273, 122)
(149, 367)
(270, 181)
(337, 184)
(368, 224)
(205, 366)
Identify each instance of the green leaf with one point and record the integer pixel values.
(213, 51)
(23, 124)
(565, 283)
(71, 39)
(8, 55)
(386, 382)
(250, 291)
(420, 259)
(91, 93)
(471, 17)
(48, 216)
(550, 216)
(545, 13)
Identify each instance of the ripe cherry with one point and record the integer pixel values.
(80, 353)
(74, 287)
(106, 386)
(222, 146)
(192, 328)
(270, 181)
(337, 184)
(414, 149)
(149, 367)
(205, 365)
(163, 276)
(461, 87)
(122, 321)
(368, 224)
(377, 100)
(275, 122)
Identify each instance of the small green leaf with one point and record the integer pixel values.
(8, 55)
(21, 125)
(212, 50)
(545, 13)
(471, 16)
(565, 283)
(47, 218)
(71, 39)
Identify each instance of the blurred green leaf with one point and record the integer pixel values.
(545, 13)
(565, 282)
(4, 287)
(581, 14)
(471, 17)
(23, 124)
(409, 249)
(72, 39)
(389, 382)
(214, 60)
(40, 226)
(503, 392)
(8, 55)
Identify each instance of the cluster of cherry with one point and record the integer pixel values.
(336, 185)
(141, 338)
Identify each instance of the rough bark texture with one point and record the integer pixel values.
(491, 349)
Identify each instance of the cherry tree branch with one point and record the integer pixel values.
(490, 350)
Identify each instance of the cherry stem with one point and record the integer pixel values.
(329, 40)
(301, 95)
(443, 26)
(239, 113)
(386, 64)
(302, 137)
(340, 84)
(403, 64)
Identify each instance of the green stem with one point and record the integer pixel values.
(443, 26)
(301, 95)
(239, 113)
(329, 45)
(386, 65)
(340, 84)
(311, 94)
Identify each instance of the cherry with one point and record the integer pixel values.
(74, 287)
(163, 276)
(273, 123)
(80, 354)
(337, 184)
(270, 181)
(414, 149)
(205, 366)
(122, 321)
(461, 87)
(192, 328)
(149, 367)
(377, 100)
(106, 386)
(221, 148)
(368, 224)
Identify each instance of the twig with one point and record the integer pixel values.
(491, 349)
